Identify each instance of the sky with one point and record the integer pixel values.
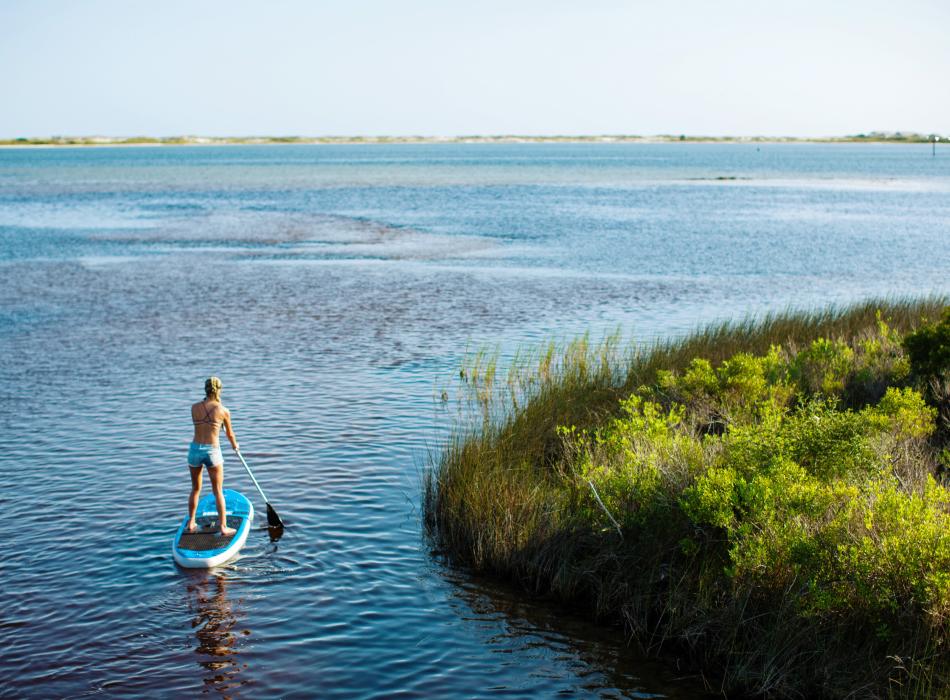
(447, 68)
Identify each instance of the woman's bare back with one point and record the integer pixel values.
(208, 417)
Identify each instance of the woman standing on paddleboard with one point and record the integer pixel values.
(208, 416)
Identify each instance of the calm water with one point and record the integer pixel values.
(335, 289)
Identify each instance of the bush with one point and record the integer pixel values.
(762, 496)
(929, 348)
(823, 367)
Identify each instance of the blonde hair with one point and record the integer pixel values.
(213, 388)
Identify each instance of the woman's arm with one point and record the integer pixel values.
(230, 430)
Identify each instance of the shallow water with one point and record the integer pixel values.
(335, 289)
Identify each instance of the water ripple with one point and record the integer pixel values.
(335, 290)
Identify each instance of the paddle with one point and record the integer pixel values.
(273, 520)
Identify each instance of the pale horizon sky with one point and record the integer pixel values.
(424, 67)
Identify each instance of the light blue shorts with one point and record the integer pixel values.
(200, 455)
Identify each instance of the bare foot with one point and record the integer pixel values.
(191, 527)
(225, 531)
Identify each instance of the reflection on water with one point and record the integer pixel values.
(220, 628)
(548, 637)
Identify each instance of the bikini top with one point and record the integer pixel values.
(207, 419)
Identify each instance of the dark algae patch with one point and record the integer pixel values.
(766, 500)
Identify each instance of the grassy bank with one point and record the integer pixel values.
(764, 497)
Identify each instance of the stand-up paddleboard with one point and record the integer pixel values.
(206, 546)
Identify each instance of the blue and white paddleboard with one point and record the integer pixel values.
(206, 547)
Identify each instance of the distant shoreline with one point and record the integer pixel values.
(92, 141)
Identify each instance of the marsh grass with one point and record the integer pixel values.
(581, 470)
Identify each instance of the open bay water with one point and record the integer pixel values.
(335, 290)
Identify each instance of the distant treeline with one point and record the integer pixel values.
(870, 137)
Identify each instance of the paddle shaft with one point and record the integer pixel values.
(251, 474)
(272, 518)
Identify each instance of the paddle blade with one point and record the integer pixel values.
(273, 520)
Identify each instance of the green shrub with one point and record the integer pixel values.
(906, 414)
(823, 367)
(805, 496)
(929, 348)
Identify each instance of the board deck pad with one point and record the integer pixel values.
(206, 538)
(206, 548)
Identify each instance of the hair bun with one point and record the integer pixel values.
(212, 387)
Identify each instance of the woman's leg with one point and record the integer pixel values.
(193, 498)
(217, 485)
